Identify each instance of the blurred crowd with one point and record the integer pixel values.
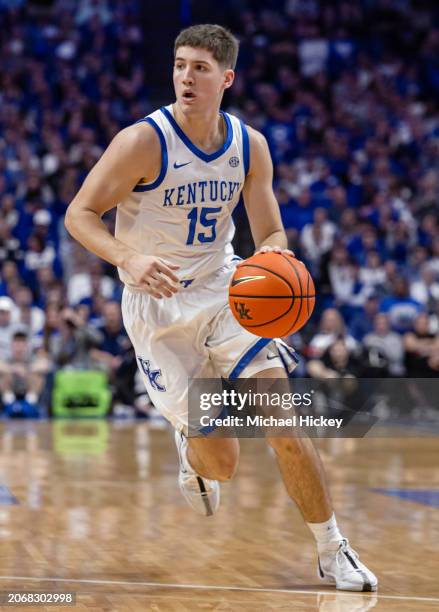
(73, 78)
(347, 94)
(352, 123)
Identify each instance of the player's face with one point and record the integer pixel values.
(199, 80)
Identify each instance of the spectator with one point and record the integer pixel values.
(22, 378)
(26, 313)
(332, 327)
(317, 239)
(387, 344)
(70, 341)
(336, 362)
(341, 274)
(9, 245)
(84, 284)
(400, 307)
(363, 321)
(421, 349)
(39, 254)
(425, 291)
(6, 327)
(373, 274)
(115, 354)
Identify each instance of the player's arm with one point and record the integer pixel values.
(259, 199)
(133, 154)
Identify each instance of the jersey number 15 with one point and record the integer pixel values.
(206, 219)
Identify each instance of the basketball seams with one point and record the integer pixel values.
(273, 320)
(300, 285)
(307, 289)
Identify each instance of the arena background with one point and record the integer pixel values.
(346, 94)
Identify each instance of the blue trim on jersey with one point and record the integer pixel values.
(248, 356)
(164, 167)
(207, 429)
(207, 157)
(245, 147)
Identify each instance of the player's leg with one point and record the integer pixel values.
(214, 458)
(304, 478)
(301, 469)
(167, 356)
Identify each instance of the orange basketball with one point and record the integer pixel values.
(271, 294)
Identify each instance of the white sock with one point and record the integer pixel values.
(327, 534)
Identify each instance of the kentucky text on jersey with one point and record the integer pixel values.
(199, 192)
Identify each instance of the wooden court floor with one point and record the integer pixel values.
(93, 507)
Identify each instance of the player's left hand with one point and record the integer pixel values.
(274, 249)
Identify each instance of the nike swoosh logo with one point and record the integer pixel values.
(177, 165)
(245, 279)
(270, 357)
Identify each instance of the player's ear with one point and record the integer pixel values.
(229, 77)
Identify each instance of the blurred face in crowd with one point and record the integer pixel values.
(400, 287)
(381, 324)
(340, 256)
(5, 317)
(428, 276)
(4, 229)
(420, 255)
(199, 80)
(348, 219)
(320, 216)
(45, 276)
(52, 316)
(9, 271)
(429, 224)
(304, 198)
(24, 297)
(112, 315)
(339, 353)
(371, 306)
(369, 238)
(373, 260)
(331, 322)
(19, 348)
(421, 324)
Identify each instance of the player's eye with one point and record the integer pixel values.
(201, 67)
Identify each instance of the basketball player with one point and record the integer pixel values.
(175, 177)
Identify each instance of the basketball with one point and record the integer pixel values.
(271, 294)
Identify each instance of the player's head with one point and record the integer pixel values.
(204, 61)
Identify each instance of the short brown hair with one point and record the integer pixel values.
(214, 38)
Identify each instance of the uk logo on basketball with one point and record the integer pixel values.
(243, 312)
(151, 374)
(234, 161)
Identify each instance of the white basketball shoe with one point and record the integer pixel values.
(343, 568)
(202, 494)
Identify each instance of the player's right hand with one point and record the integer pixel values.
(153, 275)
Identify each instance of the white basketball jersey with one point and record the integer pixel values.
(185, 215)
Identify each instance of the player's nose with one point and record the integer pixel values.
(188, 77)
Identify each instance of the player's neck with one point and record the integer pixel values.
(208, 132)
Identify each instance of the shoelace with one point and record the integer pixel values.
(345, 548)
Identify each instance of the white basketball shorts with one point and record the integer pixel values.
(194, 335)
